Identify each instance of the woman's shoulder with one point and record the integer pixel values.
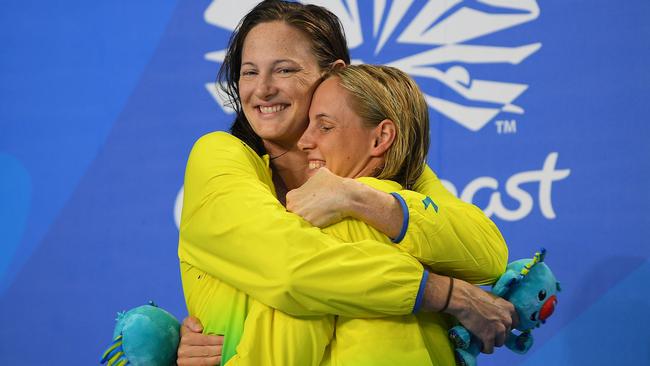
(383, 185)
(220, 141)
(221, 151)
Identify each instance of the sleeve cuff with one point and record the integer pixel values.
(420, 296)
(405, 220)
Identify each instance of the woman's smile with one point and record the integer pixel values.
(272, 108)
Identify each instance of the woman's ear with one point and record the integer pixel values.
(384, 135)
(337, 64)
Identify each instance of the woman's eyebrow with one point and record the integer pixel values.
(323, 115)
(283, 60)
(275, 62)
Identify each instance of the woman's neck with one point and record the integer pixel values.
(289, 164)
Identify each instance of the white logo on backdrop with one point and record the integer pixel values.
(544, 177)
(442, 30)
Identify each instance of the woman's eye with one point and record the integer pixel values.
(325, 128)
(286, 71)
(248, 73)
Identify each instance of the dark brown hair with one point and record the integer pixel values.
(321, 26)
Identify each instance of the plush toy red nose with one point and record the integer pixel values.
(548, 308)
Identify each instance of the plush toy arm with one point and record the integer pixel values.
(114, 355)
(460, 337)
(505, 282)
(466, 346)
(519, 343)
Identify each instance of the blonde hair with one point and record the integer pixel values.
(384, 92)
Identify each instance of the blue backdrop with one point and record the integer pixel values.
(539, 117)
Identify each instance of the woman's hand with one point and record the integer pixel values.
(321, 200)
(488, 317)
(197, 349)
(326, 199)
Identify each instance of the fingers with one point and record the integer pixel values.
(488, 317)
(509, 317)
(200, 351)
(504, 326)
(193, 324)
(199, 339)
(500, 335)
(514, 316)
(488, 346)
(289, 199)
(198, 361)
(324, 172)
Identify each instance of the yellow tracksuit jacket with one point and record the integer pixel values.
(238, 245)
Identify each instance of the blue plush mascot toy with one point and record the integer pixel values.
(531, 287)
(146, 335)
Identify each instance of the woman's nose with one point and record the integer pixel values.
(265, 87)
(306, 142)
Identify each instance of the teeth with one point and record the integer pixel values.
(272, 109)
(316, 164)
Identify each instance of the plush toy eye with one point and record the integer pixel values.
(541, 295)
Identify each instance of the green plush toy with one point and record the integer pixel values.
(531, 287)
(146, 335)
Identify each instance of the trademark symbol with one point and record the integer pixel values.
(506, 126)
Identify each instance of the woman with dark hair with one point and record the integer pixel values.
(238, 245)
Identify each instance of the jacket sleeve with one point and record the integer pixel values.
(234, 228)
(450, 236)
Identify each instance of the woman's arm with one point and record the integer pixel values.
(450, 236)
(233, 228)
(460, 240)
(487, 317)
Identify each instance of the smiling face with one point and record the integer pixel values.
(336, 137)
(278, 74)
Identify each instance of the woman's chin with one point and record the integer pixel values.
(279, 136)
(270, 134)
